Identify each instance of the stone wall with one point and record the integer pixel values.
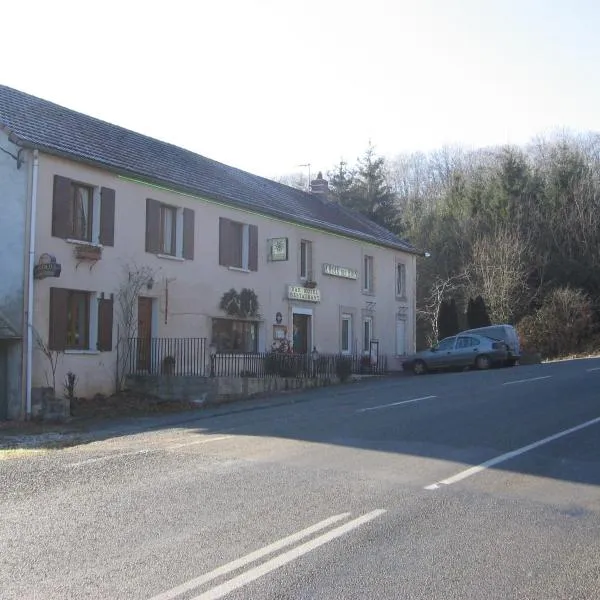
(45, 406)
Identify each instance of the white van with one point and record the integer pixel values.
(505, 333)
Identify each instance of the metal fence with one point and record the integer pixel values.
(167, 356)
(189, 356)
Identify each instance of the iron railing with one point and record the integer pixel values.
(167, 356)
(189, 356)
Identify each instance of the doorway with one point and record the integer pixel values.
(302, 333)
(144, 335)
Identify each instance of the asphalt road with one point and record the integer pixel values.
(463, 485)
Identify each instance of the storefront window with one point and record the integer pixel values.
(229, 335)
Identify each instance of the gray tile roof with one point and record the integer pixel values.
(37, 123)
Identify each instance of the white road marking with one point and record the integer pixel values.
(527, 380)
(504, 457)
(283, 559)
(249, 558)
(97, 459)
(361, 410)
(592, 370)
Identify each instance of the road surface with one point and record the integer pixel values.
(462, 485)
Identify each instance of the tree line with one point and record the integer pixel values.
(515, 229)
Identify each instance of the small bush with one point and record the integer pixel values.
(343, 368)
(561, 327)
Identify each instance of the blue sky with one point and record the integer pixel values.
(266, 85)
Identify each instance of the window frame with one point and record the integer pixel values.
(86, 298)
(91, 218)
(346, 318)
(174, 212)
(368, 282)
(367, 343)
(306, 257)
(401, 292)
(233, 322)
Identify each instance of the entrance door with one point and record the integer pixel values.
(144, 342)
(3, 382)
(301, 333)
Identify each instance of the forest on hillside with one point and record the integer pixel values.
(516, 229)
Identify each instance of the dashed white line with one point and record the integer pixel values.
(381, 406)
(527, 380)
(249, 558)
(504, 457)
(196, 442)
(283, 559)
(592, 370)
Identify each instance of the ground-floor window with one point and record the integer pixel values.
(346, 333)
(229, 335)
(400, 337)
(367, 333)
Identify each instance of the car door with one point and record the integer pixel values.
(465, 350)
(442, 357)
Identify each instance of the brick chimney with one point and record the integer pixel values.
(320, 186)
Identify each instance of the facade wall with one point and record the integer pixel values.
(13, 196)
(186, 293)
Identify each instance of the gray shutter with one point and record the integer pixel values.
(107, 217)
(61, 207)
(224, 242)
(57, 333)
(152, 225)
(188, 234)
(253, 248)
(105, 324)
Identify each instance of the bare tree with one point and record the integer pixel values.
(135, 278)
(52, 357)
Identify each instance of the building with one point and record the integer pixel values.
(134, 238)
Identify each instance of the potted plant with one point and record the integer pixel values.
(309, 283)
(88, 252)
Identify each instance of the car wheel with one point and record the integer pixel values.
(512, 362)
(483, 362)
(419, 368)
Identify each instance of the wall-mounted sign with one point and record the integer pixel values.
(337, 271)
(278, 318)
(279, 332)
(299, 292)
(47, 267)
(278, 249)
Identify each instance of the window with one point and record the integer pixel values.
(446, 344)
(346, 333)
(368, 273)
(167, 232)
(238, 245)
(400, 337)
(367, 333)
(306, 270)
(82, 212)
(466, 342)
(79, 320)
(170, 230)
(400, 280)
(229, 335)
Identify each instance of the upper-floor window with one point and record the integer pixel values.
(238, 245)
(306, 259)
(368, 274)
(83, 212)
(170, 230)
(400, 280)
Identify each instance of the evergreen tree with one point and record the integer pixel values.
(453, 322)
(448, 324)
(341, 181)
(483, 319)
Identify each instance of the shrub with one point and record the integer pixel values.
(343, 368)
(561, 326)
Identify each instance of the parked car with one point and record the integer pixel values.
(504, 333)
(461, 351)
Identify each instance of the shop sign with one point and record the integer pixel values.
(337, 271)
(299, 292)
(47, 267)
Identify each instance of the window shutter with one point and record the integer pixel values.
(152, 225)
(57, 332)
(61, 207)
(188, 234)
(105, 324)
(107, 217)
(253, 248)
(224, 242)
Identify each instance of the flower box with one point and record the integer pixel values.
(88, 252)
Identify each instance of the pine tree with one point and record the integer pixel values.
(483, 318)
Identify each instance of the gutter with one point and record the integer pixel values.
(31, 265)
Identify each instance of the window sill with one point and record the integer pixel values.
(368, 292)
(83, 243)
(401, 298)
(239, 269)
(84, 352)
(171, 257)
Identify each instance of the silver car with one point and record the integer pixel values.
(460, 351)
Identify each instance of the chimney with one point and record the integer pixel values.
(320, 186)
